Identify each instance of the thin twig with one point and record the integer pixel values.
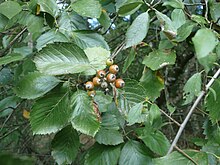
(2, 137)
(193, 4)
(114, 19)
(13, 41)
(206, 11)
(191, 111)
(185, 154)
(117, 50)
(170, 118)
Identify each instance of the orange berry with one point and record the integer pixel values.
(114, 69)
(89, 85)
(111, 77)
(119, 83)
(100, 74)
(96, 81)
(91, 93)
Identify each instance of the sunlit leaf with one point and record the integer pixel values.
(91, 9)
(49, 7)
(10, 8)
(159, 58)
(88, 39)
(97, 58)
(138, 30)
(174, 3)
(204, 42)
(61, 58)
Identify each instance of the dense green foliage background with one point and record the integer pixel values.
(167, 51)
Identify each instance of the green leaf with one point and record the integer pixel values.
(92, 8)
(134, 153)
(7, 104)
(213, 150)
(6, 76)
(61, 58)
(8, 159)
(174, 3)
(154, 139)
(136, 115)
(130, 58)
(3, 22)
(184, 31)
(108, 133)
(109, 137)
(105, 20)
(11, 58)
(170, 108)
(49, 7)
(209, 61)
(218, 50)
(34, 85)
(97, 58)
(129, 8)
(26, 18)
(153, 83)
(138, 30)
(70, 21)
(215, 12)
(102, 101)
(177, 158)
(166, 22)
(24, 50)
(86, 38)
(199, 19)
(110, 121)
(211, 132)
(83, 118)
(159, 58)
(192, 88)
(114, 117)
(10, 8)
(50, 113)
(178, 18)
(65, 145)
(154, 117)
(102, 155)
(212, 102)
(50, 37)
(134, 92)
(204, 42)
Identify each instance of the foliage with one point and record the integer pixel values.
(166, 51)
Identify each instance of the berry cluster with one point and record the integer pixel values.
(103, 78)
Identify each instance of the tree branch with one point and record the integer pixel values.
(13, 41)
(191, 111)
(185, 154)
